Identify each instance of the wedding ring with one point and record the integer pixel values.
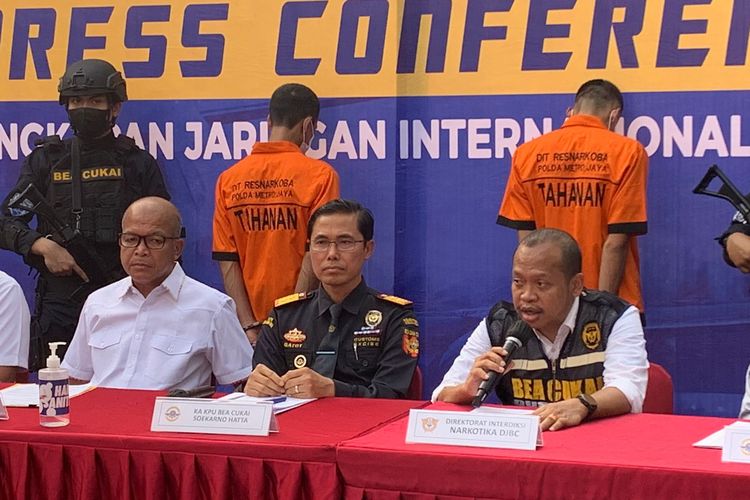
(296, 388)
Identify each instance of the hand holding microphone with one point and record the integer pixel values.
(518, 334)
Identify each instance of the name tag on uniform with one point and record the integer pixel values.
(485, 429)
(207, 416)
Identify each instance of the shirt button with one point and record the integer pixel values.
(365, 362)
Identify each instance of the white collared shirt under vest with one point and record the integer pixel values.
(625, 363)
(174, 338)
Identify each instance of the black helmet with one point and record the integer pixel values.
(92, 77)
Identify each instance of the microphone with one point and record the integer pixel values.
(518, 335)
(203, 391)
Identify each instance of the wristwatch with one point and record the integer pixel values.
(589, 402)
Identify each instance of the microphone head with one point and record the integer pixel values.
(521, 331)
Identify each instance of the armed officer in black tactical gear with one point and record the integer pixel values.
(88, 180)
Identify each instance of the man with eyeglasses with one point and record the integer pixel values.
(157, 328)
(586, 356)
(90, 195)
(263, 203)
(344, 339)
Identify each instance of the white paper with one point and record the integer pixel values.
(278, 406)
(715, 440)
(27, 395)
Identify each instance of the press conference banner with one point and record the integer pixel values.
(424, 102)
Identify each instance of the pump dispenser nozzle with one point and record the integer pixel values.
(53, 361)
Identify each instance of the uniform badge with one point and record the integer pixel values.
(410, 321)
(373, 318)
(591, 335)
(300, 361)
(269, 322)
(410, 342)
(295, 336)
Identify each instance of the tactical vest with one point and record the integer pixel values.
(534, 379)
(102, 185)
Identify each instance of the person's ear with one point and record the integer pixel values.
(614, 117)
(576, 285)
(179, 246)
(369, 248)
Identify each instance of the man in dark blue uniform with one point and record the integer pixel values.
(344, 339)
(88, 180)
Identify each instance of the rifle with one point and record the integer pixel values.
(728, 191)
(31, 200)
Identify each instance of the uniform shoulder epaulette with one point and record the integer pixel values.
(394, 299)
(290, 299)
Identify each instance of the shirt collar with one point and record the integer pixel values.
(583, 121)
(351, 302)
(275, 147)
(565, 328)
(172, 283)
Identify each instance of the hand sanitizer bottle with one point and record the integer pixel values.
(54, 408)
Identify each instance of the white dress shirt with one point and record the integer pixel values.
(625, 361)
(173, 338)
(14, 324)
(745, 408)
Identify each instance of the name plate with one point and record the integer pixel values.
(486, 430)
(736, 446)
(210, 416)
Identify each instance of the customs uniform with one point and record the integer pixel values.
(368, 344)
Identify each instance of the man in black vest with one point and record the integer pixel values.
(586, 357)
(88, 181)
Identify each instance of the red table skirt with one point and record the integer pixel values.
(41, 470)
(627, 457)
(108, 451)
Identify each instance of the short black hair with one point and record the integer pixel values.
(365, 220)
(569, 250)
(601, 93)
(291, 103)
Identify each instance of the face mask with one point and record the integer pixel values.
(90, 123)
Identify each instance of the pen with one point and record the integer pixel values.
(278, 399)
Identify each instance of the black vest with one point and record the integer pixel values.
(535, 379)
(102, 186)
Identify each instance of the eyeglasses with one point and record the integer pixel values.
(343, 245)
(152, 241)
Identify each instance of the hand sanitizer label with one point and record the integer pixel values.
(53, 397)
